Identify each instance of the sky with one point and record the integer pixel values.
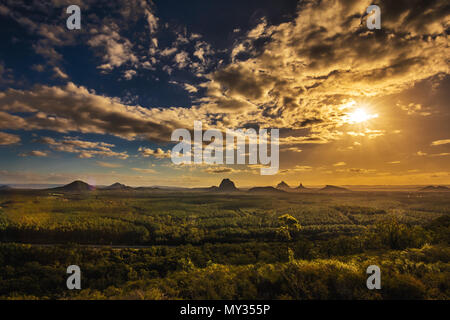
(353, 106)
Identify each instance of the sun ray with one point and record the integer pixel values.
(360, 115)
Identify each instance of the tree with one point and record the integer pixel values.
(289, 227)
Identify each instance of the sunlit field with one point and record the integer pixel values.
(194, 245)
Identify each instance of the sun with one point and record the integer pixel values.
(360, 115)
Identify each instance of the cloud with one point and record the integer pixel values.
(181, 59)
(59, 73)
(117, 50)
(38, 67)
(8, 138)
(440, 142)
(152, 21)
(294, 149)
(297, 168)
(34, 153)
(444, 154)
(158, 153)
(6, 74)
(371, 134)
(190, 88)
(304, 73)
(311, 139)
(108, 164)
(414, 108)
(125, 38)
(4, 10)
(424, 154)
(358, 171)
(339, 164)
(84, 149)
(143, 170)
(76, 109)
(48, 52)
(129, 74)
(221, 169)
(168, 52)
(302, 76)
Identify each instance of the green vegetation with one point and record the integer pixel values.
(213, 246)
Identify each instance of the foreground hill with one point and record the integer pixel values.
(76, 186)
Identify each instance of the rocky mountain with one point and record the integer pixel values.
(76, 186)
(283, 186)
(227, 186)
(301, 187)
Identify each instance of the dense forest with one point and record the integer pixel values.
(224, 247)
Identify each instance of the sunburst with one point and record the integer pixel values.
(360, 115)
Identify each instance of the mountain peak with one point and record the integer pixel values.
(78, 183)
(283, 185)
(227, 185)
(117, 186)
(75, 186)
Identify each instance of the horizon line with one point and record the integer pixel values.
(11, 184)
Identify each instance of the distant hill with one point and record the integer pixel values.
(330, 188)
(117, 186)
(301, 187)
(266, 190)
(435, 188)
(149, 189)
(227, 186)
(76, 186)
(5, 188)
(283, 186)
(208, 189)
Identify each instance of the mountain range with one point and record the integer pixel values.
(226, 186)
